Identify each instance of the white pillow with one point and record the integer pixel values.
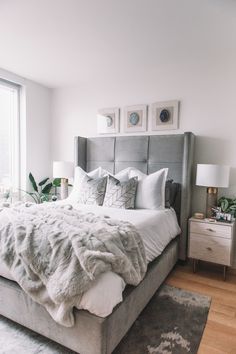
(151, 189)
(122, 176)
(78, 178)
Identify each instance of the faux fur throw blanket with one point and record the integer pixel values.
(55, 252)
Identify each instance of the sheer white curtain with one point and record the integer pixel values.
(9, 137)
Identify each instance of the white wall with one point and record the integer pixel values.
(35, 127)
(38, 130)
(193, 60)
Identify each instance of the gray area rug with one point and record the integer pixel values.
(172, 323)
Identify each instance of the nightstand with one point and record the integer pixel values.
(211, 241)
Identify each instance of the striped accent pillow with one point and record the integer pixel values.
(120, 194)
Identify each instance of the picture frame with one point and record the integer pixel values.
(165, 115)
(108, 120)
(135, 118)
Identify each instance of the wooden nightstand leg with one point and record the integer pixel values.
(224, 273)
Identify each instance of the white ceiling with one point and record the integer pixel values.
(67, 42)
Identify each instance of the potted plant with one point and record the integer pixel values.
(226, 209)
(227, 205)
(41, 191)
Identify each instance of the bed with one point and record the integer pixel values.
(93, 334)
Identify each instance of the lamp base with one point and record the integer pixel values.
(64, 188)
(211, 200)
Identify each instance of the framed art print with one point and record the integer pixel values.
(165, 115)
(108, 120)
(135, 119)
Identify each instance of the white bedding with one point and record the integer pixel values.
(156, 227)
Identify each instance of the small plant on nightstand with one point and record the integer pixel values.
(228, 205)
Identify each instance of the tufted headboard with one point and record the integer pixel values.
(148, 154)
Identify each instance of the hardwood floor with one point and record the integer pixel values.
(220, 332)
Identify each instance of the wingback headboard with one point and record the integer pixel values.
(148, 154)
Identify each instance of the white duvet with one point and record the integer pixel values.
(156, 227)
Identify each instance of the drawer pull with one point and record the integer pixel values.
(209, 248)
(211, 230)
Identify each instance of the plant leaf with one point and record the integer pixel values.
(43, 181)
(32, 180)
(56, 182)
(47, 188)
(224, 205)
(44, 198)
(33, 195)
(220, 200)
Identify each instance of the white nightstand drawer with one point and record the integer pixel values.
(211, 249)
(209, 229)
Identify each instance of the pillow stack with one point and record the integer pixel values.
(128, 189)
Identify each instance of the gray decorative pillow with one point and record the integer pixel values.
(92, 191)
(168, 193)
(171, 192)
(120, 194)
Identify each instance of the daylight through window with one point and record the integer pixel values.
(9, 137)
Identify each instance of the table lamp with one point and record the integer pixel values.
(63, 170)
(212, 177)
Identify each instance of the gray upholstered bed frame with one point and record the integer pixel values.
(148, 154)
(92, 334)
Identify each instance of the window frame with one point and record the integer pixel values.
(16, 135)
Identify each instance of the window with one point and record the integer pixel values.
(9, 136)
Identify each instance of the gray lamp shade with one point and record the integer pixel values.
(63, 169)
(212, 175)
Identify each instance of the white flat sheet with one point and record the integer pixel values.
(156, 227)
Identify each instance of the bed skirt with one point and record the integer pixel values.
(91, 334)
